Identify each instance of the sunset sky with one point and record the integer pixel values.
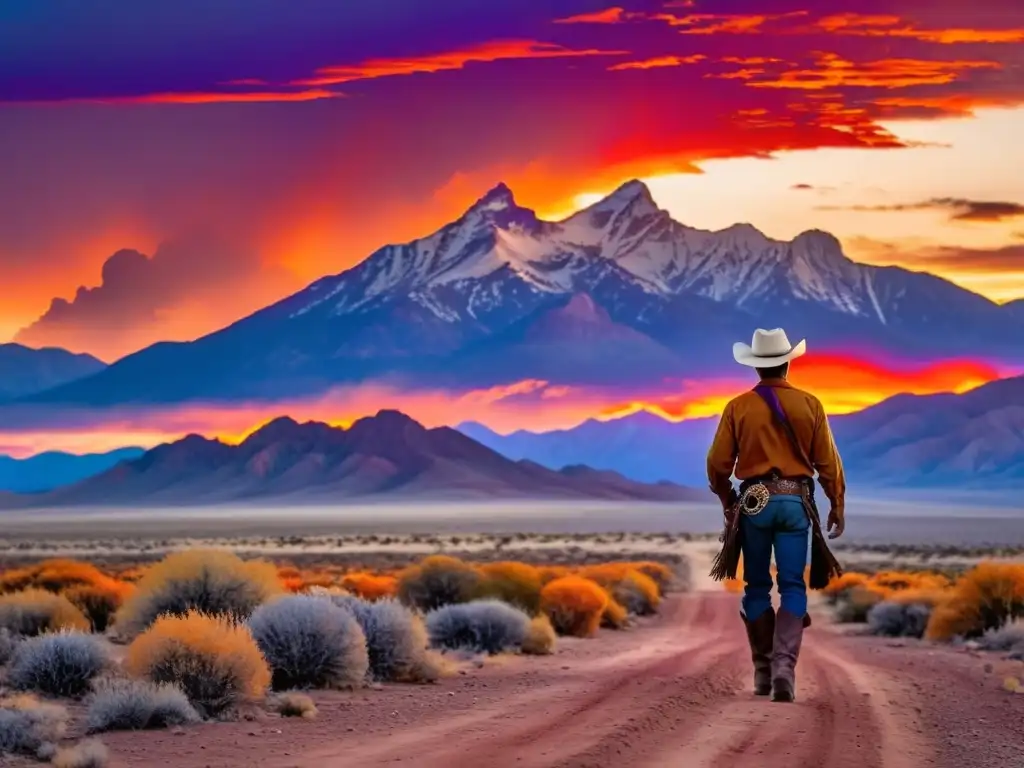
(272, 143)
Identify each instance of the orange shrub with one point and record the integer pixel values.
(898, 580)
(637, 592)
(574, 605)
(57, 575)
(615, 615)
(370, 587)
(213, 659)
(847, 581)
(210, 581)
(986, 597)
(659, 573)
(54, 576)
(35, 611)
(515, 583)
(549, 573)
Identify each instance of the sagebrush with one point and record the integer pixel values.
(62, 664)
(310, 643)
(437, 581)
(8, 643)
(484, 626)
(27, 725)
(120, 704)
(396, 640)
(898, 619)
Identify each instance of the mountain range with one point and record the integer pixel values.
(971, 440)
(52, 469)
(616, 293)
(387, 455)
(26, 371)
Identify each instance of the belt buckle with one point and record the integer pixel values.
(754, 499)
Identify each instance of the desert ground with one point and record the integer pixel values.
(671, 690)
(674, 691)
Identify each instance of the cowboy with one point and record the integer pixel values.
(775, 438)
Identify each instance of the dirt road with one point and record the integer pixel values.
(672, 693)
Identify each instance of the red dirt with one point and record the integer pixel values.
(673, 692)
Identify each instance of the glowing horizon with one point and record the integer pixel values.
(844, 384)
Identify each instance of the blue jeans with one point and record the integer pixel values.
(782, 525)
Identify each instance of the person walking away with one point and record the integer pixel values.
(774, 438)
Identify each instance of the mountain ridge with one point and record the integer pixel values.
(27, 370)
(969, 440)
(420, 311)
(386, 455)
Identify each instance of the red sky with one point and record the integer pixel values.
(294, 138)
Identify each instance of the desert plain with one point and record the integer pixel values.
(669, 689)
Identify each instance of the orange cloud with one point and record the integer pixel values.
(614, 15)
(497, 50)
(750, 61)
(951, 105)
(694, 23)
(833, 71)
(895, 26)
(843, 383)
(720, 23)
(212, 97)
(659, 61)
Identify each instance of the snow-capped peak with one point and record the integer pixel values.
(632, 199)
(498, 198)
(498, 249)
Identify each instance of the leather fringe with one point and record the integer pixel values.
(727, 561)
(824, 565)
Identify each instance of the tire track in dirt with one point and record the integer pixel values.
(687, 702)
(552, 720)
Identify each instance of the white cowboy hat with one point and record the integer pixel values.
(768, 349)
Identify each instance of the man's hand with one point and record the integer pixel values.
(836, 524)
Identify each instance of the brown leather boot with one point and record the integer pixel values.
(789, 632)
(761, 634)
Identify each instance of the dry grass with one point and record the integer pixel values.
(541, 639)
(294, 704)
(212, 659)
(91, 753)
(574, 605)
